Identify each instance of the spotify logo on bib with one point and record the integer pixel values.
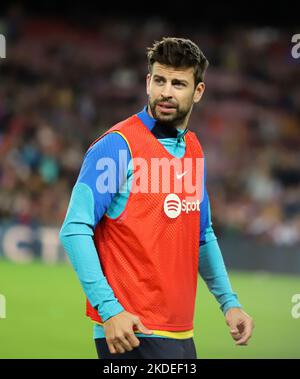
(172, 205)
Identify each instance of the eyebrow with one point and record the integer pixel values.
(173, 80)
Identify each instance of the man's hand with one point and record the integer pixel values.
(119, 332)
(241, 325)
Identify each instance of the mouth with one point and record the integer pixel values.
(166, 107)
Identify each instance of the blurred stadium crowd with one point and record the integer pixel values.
(62, 85)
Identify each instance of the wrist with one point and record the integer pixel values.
(229, 307)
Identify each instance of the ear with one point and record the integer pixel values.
(199, 90)
(148, 78)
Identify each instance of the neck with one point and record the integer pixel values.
(181, 126)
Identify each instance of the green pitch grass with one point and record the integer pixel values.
(45, 315)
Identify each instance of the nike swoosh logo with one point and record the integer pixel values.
(179, 176)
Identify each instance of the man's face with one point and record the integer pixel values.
(172, 93)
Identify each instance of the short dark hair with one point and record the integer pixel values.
(178, 52)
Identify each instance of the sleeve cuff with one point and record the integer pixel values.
(230, 304)
(110, 309)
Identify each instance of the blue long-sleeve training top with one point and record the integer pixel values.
(88, 205)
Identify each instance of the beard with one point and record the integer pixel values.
(172, 119)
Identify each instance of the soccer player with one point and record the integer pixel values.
(137, 247)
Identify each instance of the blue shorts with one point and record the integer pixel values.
(152, 348)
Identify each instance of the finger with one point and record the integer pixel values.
(242, 342)
(111, 348)
(244, 339)
(125, 344)
(245, 335)
(242, 327)
(119, 347)
(235, 334)
(236, 337)
(142, 328)
(133, 340)
(234, 330)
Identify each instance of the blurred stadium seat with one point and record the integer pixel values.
(63, 84)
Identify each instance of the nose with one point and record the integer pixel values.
(167, 91)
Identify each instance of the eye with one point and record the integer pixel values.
(179, 85)
(158, 80)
